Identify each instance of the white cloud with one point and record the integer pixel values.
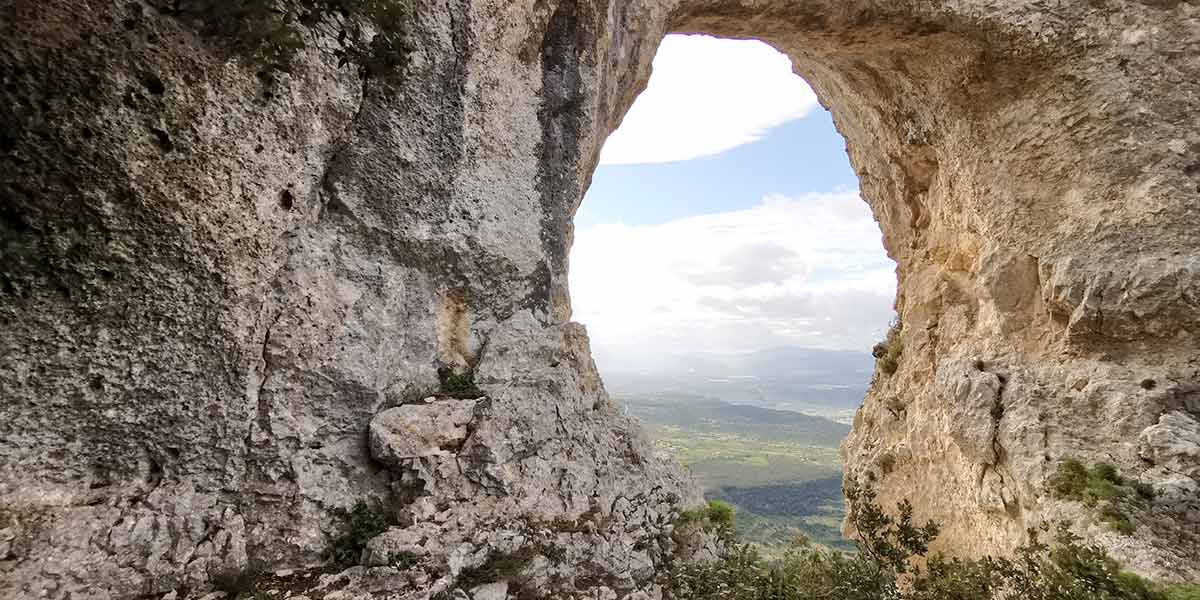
(706, 96)
(807, 271)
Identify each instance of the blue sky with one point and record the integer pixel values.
(802, 156)
(725, 217)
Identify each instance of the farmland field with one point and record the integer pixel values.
(780, 469)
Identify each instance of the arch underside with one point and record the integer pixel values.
(1045, 247)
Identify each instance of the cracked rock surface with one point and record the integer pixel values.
(215, 278)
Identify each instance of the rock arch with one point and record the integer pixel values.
(192, 366)
(1022, 170)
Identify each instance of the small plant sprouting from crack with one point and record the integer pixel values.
(357, 526)
(458, 385)
(887, 353)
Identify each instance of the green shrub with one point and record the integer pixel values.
(887, 353)
(1074, 481)
(885, 568)
(886, 539)
(715, 516)
(720, 514)
(741, 573)
(1101, 486)
(357, 526)
(370, 34)
(458, 385)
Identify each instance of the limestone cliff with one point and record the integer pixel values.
(227, 289)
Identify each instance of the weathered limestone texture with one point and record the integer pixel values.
(224, 290)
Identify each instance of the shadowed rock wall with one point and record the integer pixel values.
(214, 278)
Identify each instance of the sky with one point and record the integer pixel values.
(725, 218)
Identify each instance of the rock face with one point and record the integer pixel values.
(216, 277)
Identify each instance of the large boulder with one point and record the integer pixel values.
(433, 428)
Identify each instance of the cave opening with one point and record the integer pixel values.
(734, 282)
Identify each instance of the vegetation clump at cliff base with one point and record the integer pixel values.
(356, 527)
(893, 562)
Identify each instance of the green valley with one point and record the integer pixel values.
(780, 469)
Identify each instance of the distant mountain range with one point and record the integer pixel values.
(699, 414)
(826, 382)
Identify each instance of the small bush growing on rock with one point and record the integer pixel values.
(720, 514)
(357, 526)
(240, 584)
(716, 516)
(1101, 485)
(887, 463)
(893, 563)
(887, 353)
(458, 385)
(1074, 481)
